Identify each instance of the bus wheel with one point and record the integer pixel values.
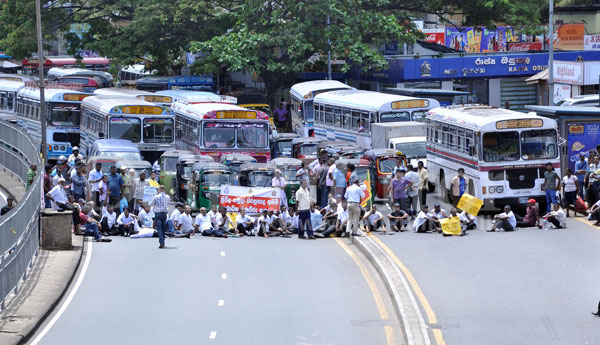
(443, 189)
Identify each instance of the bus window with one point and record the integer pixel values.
(252, 135)
(419, 116)
(328, 115)
(128, 128)
(347, 118)
(500, 146)
(337, 113)
(159, 130)
(219, 135)
(538, 144)
(309, 113)
(355, 119)
(395, 117)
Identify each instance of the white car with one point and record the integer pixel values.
(580, 101)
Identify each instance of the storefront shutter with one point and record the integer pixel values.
(517, 92)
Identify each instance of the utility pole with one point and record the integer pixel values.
(551, 55)
(43, 115)
(328, 51)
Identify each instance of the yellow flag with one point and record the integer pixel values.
(470, 204)
(450, 226)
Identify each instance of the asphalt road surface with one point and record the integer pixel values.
(222, 291)
(527, 287)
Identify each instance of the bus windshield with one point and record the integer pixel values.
(412, 150)
(252, 135)
(538, 144)
(223, 135)
(219, 135)
(215, 179)
(125, 128)
(159, 130)
(65, 114)
(500, 146)
(309, 112)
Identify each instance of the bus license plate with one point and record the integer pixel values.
(522, 200)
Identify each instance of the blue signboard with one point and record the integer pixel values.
(581, 137)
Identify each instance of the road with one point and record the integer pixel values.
(527, 287)
(227, 291)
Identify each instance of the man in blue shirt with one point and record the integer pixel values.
(581, 167)
(115, 186)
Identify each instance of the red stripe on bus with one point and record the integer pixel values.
(462, 159)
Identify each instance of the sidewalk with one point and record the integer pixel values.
(46, 283)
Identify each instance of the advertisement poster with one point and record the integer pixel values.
(581, 137)
(254, 200)
(561, 91)
(569, 37)
(435, 36)
(590, 42)
(477, 40)
(568, 72)
(525, 46)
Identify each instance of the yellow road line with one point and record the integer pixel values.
(383, 313)
(416, 288)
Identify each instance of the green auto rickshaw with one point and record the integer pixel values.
(256, 175)
(289, 167)
(168, 169)
(208, 177)
(184, 175)
(235, 160)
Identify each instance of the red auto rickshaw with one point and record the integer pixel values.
(384, 161)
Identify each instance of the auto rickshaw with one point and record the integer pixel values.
(137, 166)
(323, 145)
(345, 151)
(235, 160)
(305, 149)
(208, 178)
(384, 161)
(364, 169)
(281, 145)
(183, 176)
(168, 169)
(256, 175)
(289, 167)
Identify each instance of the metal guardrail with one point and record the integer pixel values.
(19, 229)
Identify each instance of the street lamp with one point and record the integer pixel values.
(43, 117)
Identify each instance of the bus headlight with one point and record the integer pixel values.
(499, 189)
(492, 189)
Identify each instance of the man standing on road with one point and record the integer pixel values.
(581, 167)
(160, 203)
(322, 183)
(94, 178)
(458, 186)
(138, 191)
(79, 184)
(303, 206)
(115, 185)
(354, 195)
(423, 183)
(281, 117)
(412, 193)
(551, 184)
(397, 189)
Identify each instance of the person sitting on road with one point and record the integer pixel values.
(425, 221)
(127, 222)
(283, 220)
(438, 213)
(594, 213)
(467, 221)
(342, 220)
(398, 218)
(557, 217)
(374, 220)
(204, 225)
(245, 223)
(316, 218)
(225, 223)
(505, 221)
(531, 218)
(109, 221)
(213, 215)
(295, 225)
(173, 221)
(330, 219)
(90, 226)
(146, 216)
(185, 226)
(463, 227)
(265, 225)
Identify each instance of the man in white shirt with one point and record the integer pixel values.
(146, 216)
(265, 225)
(109, 221)
(282, 220)
(505, 221)
(354, 194)
(374, 220)
(185, 224)
(224, 223)
(94, 178)
(341, 226)
(75, 155)
(172, 222)
(212, 214)
(57, 195)
(331, 218)
(245, 223)
(204, 225)
(425, 221)
(127, 223)
(558, 218)
(303, 203)
(412, 193)
(467, 222)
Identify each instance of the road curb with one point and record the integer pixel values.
(405, 304)
(35, 324)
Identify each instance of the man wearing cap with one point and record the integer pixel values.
(9, 205)
(581, 167)
(505, 221)
(354, 194)
(532, 217)
(551, 185)
(75, 155)
(398, 218)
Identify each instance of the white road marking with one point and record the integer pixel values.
(224, 276)
(212, 335)
(222, 253)
(221, 303)
(65, 305)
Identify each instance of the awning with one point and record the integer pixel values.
(535, 79)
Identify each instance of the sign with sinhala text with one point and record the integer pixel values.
(470, 204)
(451, 226)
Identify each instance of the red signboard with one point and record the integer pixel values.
(435, 37)
(526, 46)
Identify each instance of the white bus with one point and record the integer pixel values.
(302, 95)
(503, 152)
(211, 127)
(348, 114)
(151, 127)
(9, 88)
(133, 93)
(63, 115)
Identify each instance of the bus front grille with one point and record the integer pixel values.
(521, 178)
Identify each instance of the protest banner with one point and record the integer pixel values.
(450, 226)
(149, 193)
(254, 200)
(470, 204)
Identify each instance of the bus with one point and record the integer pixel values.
(179, 94)
(503, 152)
(133, 93)
(193, 83)
(150, 126)
(63, 115)
(302, 95)
(217, 128)
(31, 65)
(55, 73)
(347, 114)
(130, 74)
(9, 88)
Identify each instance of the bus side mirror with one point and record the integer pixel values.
(471, 150)
(101, 135)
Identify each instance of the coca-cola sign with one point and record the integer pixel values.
(435, 36)
(526, 46)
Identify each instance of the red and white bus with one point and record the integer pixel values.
(214, 127)
(31, 65)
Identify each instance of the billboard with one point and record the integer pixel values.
(590, 42)
(569, 37)
(581, 137)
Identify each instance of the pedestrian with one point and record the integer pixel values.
(423, 183)
(350, 172)
(94, 178)
(160, 202)
(303, 202)
(79, 184)
(339, 179)
(581, 167)
(412, 192)
(329, 180)
(592, 180)
(557, 218)
(281, 117)
(505, 221)
(115, 185)
(398, 218)
(138, 191)
(550, 185)
(531, 218)
(570, 188)
(458, 186)
(322, 184)
(75, 155)
(397, 189)
(128, 180)
(354, 194)
(303, 173)
(279, 183)
(10, 204)
(30, 175)
(47, 184)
